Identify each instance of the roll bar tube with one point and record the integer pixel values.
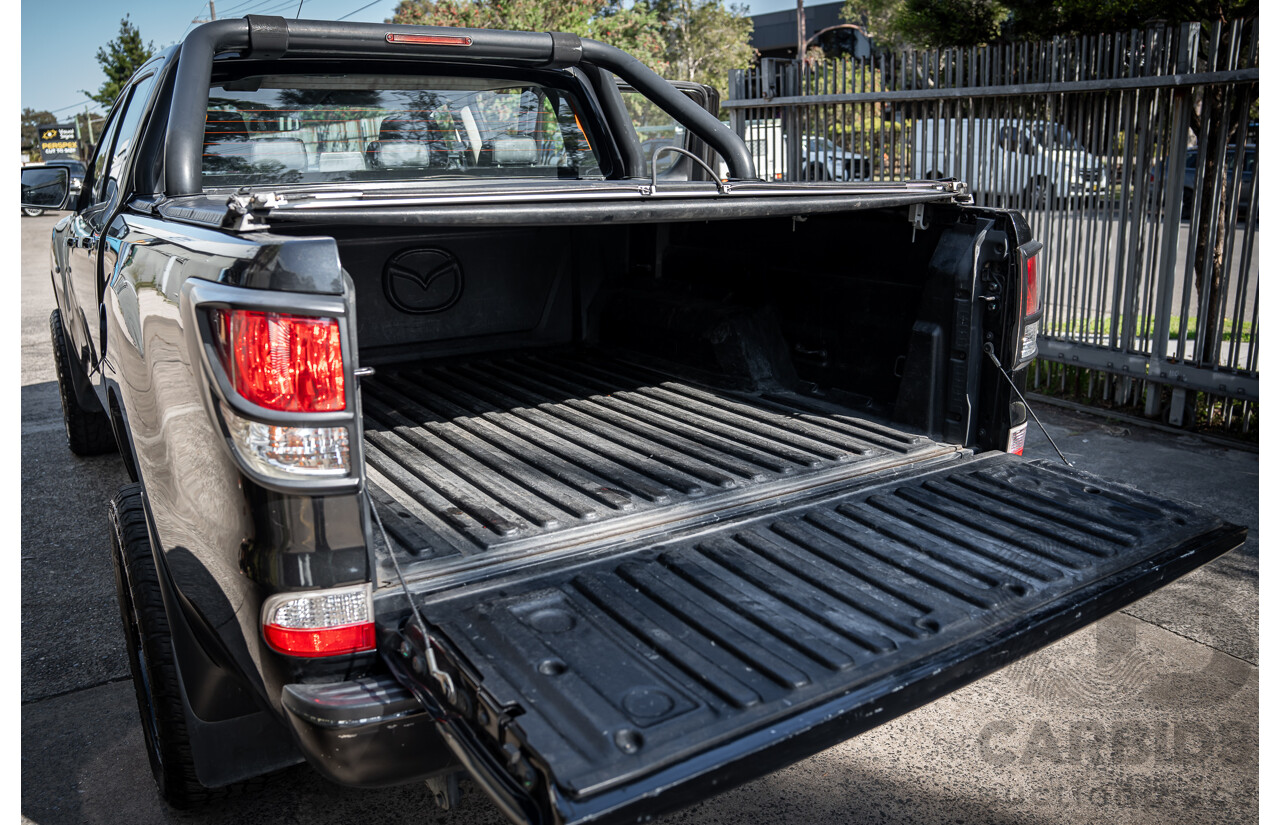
(697, 119)
(270, 37)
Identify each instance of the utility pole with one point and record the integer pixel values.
(213, 15)
(800, 38)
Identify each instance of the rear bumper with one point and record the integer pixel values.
(367, 732)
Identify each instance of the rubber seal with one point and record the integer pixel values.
(268, 36)
(566, 50)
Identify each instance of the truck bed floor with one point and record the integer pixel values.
(523, 453)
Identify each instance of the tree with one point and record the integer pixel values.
(704, 39)
(119, 59)
(32, 120)
(927, 23)
(696, 40)
(934, 23)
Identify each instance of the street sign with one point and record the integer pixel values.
(58, 140)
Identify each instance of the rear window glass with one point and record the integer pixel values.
(318, 128)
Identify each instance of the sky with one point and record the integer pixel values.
(74, 30)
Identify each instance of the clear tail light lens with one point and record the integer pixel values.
(291, 363)
(320, 623)
(1017, 439)
(284, 452)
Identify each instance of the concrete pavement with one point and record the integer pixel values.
(1149, 716)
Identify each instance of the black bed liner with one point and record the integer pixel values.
(487, 458)
(721, 652)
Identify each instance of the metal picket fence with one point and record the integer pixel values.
(1133, 156)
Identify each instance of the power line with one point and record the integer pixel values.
(193, 20)
(91, 101)
(241, 4)
(362, 8)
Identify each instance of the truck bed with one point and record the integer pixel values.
(476, 460)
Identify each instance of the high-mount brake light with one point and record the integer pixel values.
(320, 623)
(291, 363)
(429, 39)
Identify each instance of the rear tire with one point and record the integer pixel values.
(151, 658)
(88, 431)
(32, 212)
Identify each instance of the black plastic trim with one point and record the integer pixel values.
(356, 702)
(368, 733)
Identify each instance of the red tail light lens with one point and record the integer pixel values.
(291, 363)
(320, 623)
(328, 641)
(1033, 290)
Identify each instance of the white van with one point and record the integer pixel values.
(820, 157)
(1036, 161)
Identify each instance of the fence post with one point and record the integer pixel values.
(792, 130)
(738, 91)
(1174, 164)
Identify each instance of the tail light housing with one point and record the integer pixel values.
(318, 623)
(287, 367)
(1031, 303)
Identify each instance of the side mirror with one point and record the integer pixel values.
(45, 187)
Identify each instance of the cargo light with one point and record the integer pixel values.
(320, 623)
(286, 452)
(291, 363)
(429, 39)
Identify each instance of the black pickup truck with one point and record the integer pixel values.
(465, 442)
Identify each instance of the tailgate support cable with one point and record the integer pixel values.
(991, 353)
(433, 669)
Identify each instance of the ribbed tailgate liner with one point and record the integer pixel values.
(620, 667)
(485, 455)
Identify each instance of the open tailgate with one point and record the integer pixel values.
(644, 679)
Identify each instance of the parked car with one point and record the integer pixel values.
(820, 158)
(75, 170)
(1155, 181)
(1228, 177)
(605, 492)
(1032, 162)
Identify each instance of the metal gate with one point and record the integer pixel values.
(1133, 156)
